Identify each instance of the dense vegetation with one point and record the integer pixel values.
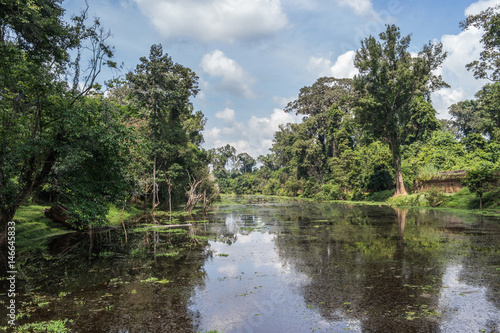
(378, 131)
(73, 143)
(68, 141)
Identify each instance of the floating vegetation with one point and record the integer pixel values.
(155, 280)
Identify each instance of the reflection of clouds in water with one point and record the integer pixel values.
(464, 308)
(233, 224)
(246, 291)
(230, 270)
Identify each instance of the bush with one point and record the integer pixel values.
(434, 196)
(333, 191)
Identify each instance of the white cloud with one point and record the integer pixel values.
(479, 6)
(234, 78)
(215, 20)
(361, 7)
(342, 68)
(462, 49)
(227, 115)
(254, 137)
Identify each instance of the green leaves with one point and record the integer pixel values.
(394, 89)
(480, 179)
(487, 65)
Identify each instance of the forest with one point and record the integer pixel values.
(378, 133)
(82, 146)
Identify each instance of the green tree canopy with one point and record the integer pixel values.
(391, 85)
(488, 65)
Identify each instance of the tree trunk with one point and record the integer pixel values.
(400, 186)
(33, 177)
(481, 201)
(6, 215)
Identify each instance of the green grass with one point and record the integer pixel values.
(33, 228)
(116, 217)
(463, 200)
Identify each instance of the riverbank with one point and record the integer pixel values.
(33, 228)
(463, 200)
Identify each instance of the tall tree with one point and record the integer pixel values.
(245, 162)
(161, 90)
(324, 105)
(37, 105)
(390, 81)
(488, 65)
(465, 117)
(488, 101)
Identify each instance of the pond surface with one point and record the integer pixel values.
(271, 265)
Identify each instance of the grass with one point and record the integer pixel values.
(33, 228)
(53, 326)
(116, 217)
(463, 200)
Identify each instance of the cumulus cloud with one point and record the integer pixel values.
(360, 7)
(215, 20)
(462, 49)
(342, 68)
(254, 136)
(479, 6)
(227, 115)
(234, 78)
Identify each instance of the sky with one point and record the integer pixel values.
(252, 57)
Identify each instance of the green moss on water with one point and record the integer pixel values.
(33, 228)
(53, 326)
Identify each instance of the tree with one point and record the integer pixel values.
(161, 90)
(480, 179)
(487, 67)
(220, 158)
(488, 101)
(245, 162)
(390, 81)
(37, 104)
(465, 117)
(324, 106)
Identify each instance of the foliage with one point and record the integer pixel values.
(41, 114)
(480, 179)
(161, 90)
(393, 88)
(53, 326)
(489, 21)
(465, 117)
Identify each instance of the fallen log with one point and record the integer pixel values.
(165, 226)
(59, 214)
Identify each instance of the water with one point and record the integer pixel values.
(263, 265)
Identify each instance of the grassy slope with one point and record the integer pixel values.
(33, 228)
(460, 200)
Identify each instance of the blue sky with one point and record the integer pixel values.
(253, 56)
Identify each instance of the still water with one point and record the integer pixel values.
(271, 265)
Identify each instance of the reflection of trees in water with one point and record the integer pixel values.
(105, 292)
(482, 257)
(376, 265)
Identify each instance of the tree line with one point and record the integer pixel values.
(379, 131)
(69, 141)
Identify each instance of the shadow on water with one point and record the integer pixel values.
(268, 265)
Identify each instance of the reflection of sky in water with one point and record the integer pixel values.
(465, 308)
(252, 290)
